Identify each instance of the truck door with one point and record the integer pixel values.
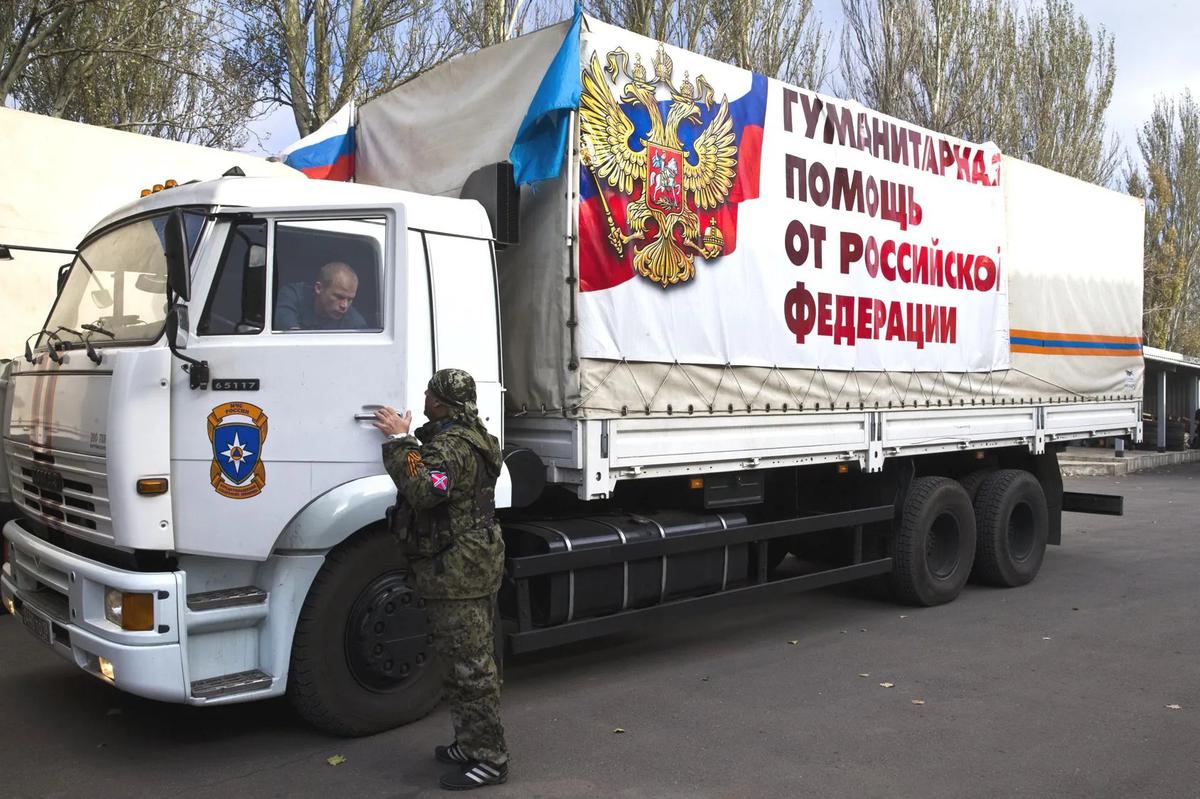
(466, 324)
(300, 327)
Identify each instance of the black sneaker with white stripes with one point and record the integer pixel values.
(475, 774)
(451, 754)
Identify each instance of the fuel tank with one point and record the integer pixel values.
(601, 590)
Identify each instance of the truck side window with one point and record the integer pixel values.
(464, 305)
(327, 275)
(237, 302)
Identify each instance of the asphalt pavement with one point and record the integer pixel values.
(1085, 683)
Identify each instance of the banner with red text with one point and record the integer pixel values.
(726, 218)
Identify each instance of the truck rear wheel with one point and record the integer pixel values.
(935, 544)
(971, 482)
(1013, 524)
(362, 658)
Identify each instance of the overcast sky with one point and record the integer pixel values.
(1158, 53)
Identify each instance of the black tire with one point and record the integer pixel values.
(1013, 524)
(971, 482)
(362, 657)
(935, 543)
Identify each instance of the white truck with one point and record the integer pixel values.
(741, 320)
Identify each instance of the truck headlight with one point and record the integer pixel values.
(129, 611)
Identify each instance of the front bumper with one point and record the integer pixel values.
(60, 597)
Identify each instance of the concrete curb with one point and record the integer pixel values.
(1134, 461)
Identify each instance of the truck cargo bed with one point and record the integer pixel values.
(592, 455)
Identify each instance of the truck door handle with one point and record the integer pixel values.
(368, 414)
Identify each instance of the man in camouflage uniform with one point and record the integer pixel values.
(445, 517)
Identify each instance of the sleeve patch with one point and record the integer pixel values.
(440, 481)
(414, 463)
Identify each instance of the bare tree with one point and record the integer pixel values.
(1064, 82)
(25, 27)
(319, 55)
(482, 23)
(151, 66)
(779, 38)
(1035, 80)
(880, 49)
(1169, 180)
(679, 23)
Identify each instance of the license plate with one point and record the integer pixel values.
(37, 625)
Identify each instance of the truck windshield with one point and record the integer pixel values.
(117, 290)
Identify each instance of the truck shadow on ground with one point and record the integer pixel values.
(64, 698)
(786, 616)
(55, 695)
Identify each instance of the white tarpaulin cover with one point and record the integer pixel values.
(586, 333)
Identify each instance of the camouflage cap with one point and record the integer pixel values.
(453, 387)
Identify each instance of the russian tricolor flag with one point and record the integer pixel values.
(328, 152)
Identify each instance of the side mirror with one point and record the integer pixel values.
(176, 250)
(63, 271)
(177, 327)
(172, 327)
(197, 370)
(256, 257)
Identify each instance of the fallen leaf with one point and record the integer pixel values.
(794, 643)
(918, 701)
(1047, 638)
(887, 685)
(703, 679)
(1174, 707)
(336, 760)
(864, 674)
(862, 629)
(903, 616)
(618, 731)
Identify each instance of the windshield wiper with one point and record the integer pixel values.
(69, 330)
(50, 348)
(96, 327)
(92, 354)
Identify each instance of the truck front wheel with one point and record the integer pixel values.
(935, 542)
(362, 658)
(1013, 524)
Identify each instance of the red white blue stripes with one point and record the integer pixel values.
(328, 152)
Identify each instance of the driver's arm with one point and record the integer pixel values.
(287, 307)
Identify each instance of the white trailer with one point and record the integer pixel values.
(686, 394)
(59, 177)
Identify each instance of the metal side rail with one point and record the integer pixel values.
(528, 637)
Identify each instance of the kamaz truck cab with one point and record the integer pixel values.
(199, 481)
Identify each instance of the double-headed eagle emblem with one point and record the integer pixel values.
(670, 186)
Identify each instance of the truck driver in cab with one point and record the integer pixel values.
(325, 304)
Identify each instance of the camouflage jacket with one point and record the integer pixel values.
(445, 509)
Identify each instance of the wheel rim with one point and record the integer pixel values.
(941, 546)
(1021, 532)
(388, 643)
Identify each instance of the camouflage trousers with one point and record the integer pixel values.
(463, 638)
